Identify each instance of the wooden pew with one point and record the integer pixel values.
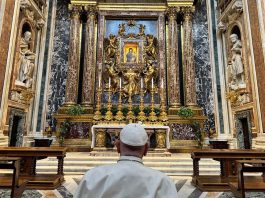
(12, 181)
(28, 157)
(244, 183)
(228, 169)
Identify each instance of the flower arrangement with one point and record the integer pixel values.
(185, 112)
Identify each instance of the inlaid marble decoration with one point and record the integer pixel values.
(79, 130)
(59, 60)
(202, 63)
(182, 132)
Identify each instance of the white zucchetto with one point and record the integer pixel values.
(133, 135)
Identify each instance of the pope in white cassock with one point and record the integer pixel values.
(129, 178)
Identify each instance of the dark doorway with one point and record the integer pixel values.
(15, 130)
(245, 129)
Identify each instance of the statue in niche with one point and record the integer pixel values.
(27, 58)
(236, 66)
(131, 83)
(111, 47)
(151, 47)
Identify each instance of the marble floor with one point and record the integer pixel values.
(183, 185)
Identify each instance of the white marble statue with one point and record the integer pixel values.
(27, 58)
(236, 66)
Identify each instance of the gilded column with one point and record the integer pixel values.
(89, 64)
(73, 57)
(188, 58)
(173, 61)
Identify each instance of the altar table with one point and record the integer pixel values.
(147, 128)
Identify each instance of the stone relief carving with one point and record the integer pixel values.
(26, 62)
(236, 68)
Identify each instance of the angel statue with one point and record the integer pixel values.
(122, 30)
(131, 83)
(113, 73)
(151, 47)
(111, 46)
(149, 73)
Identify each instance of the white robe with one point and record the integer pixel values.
(129, 178)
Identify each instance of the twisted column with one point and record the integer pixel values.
(173, 60)
(188, 58)
(73, 57)
(89, 63)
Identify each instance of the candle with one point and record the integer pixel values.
(99, 81)
(162, 83)
(152, 83)
(109, 82)
(120, 82)
(142, 83)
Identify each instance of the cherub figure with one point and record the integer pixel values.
(141, 30)
(122, 30)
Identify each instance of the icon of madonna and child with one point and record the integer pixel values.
(130, 55)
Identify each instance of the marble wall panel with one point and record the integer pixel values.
(182, 132)
(4, 41)
(258, 55)
(202, 63)
(59, 60)
(79, 130)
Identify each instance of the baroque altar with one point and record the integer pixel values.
(131, 69)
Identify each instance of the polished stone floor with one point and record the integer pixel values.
(183, 185)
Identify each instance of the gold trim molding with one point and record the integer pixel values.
(144, 6)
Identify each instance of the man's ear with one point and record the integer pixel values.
(118, 145)
(146, 146)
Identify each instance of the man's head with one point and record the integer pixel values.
(233, 38)
(27, 36)
(133, 141)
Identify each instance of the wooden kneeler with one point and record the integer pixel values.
(12, 181)
(248, 183)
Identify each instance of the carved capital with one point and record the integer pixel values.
(172, 12)
(40, 23)
(25, 4)
(91, 10)
(221, 27)
(75, 11)
(238, 6)
(187, 12)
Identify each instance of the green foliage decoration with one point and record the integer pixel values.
(185, 112)
(75, 110)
